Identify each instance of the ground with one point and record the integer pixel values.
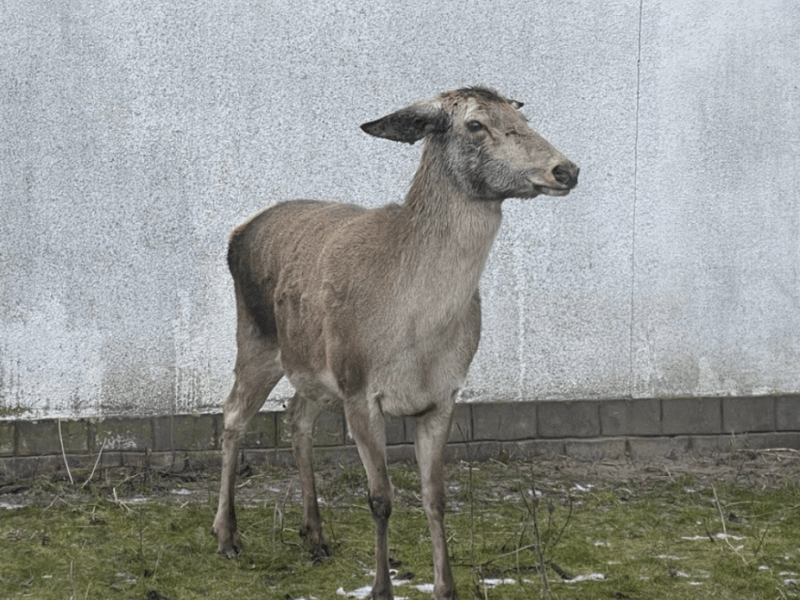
(726, 526)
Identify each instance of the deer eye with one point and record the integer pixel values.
(474, 126)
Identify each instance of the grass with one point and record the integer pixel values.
(649, 534)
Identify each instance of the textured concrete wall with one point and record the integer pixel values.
(134, 136)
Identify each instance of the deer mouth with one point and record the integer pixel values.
(552, 191)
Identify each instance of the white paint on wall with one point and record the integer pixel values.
(48, 364)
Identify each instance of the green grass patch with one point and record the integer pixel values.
(643, 537)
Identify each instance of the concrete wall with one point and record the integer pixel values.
(134, 136)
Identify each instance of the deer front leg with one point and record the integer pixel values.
(368, 428)
(432, 431)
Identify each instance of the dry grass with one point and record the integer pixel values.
(726, 527)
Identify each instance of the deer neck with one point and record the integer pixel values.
(453, 233)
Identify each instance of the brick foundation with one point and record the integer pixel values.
(592, 430)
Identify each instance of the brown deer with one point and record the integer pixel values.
(378, 310)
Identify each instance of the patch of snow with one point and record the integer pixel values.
(360, 594)
(589, 577)
(495, 582)
(9, 506)
(134, 500)
(581, 488)
(719, 536)
(728, 536)
(366, 591)
(363, 593)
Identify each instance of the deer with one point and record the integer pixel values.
(377, 311)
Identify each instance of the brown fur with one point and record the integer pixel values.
(379, 309)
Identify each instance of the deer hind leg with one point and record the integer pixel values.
(368, 427)
(258, 370)
(303, 413)
(432, 431)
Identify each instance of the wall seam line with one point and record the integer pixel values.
(635, 198)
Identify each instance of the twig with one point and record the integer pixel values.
(64, 454)
(761, 541)
(538, 546)
(566, 522)
(119, 502)
(724, 530)
(283, 512)
(277, 521)
(540, 551)
(767, 450)
(708, 533)
(158, 560)
(51, 504)
(99, 454)
(499, 556)
(561, 572)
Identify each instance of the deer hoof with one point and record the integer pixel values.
(320, 553)
(230, 552)
(229, 546)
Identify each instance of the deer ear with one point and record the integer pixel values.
(516, 104)
(410, 124)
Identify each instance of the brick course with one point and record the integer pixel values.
(630, 417)
(569, 419)
(691, 415)
(748, 414)
(589, 429)
(787, 413)
(504, 421)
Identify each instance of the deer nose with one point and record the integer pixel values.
(566, 174)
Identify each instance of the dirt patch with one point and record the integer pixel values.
(756, 469)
